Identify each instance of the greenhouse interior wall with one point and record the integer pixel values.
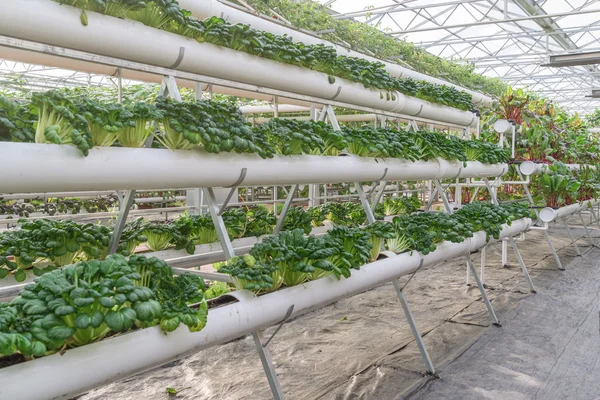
(257, 199)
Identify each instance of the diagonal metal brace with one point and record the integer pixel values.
(232, 191)
(285, 318)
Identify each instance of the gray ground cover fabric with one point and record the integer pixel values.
(362, 347)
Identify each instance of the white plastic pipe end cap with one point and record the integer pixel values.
(502, 126)
(547, 214)
(527, 168)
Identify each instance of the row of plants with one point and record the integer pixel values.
(88, 301)
(212, 126)
(167, 15)
(550, 135)
(91, 300)
(292, 258)
(73, 205)
(42, 245)
(316, 17)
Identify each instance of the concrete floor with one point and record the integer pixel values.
(547, 348)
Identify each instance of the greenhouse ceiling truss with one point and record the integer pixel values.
(520, 37)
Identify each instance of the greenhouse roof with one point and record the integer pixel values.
(508, 39)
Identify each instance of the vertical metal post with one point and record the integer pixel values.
(504, 254)
(484, 296)
(378, 195)
(573, 241)
(267, 363)
(483, 260)
(213, 208)
(276, 106)
(413, 328)
(275, 200)
(522, 264)
(313, 112)
(365, 202)
(513, 142)
(120, 84)
(198, 92)
(285, 209)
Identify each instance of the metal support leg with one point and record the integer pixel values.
(484, 296)
(491, 190)
(378, 195)
(267, 363)
(522, 264)
(504, 254)
(573, 241)
(285, 209)
(587, 232)
(554, 253)
(483, 265)
(121, 221)
(442, 193)
(365, 202)
(413, 328)
(213, 208)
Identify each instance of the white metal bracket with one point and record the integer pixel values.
(484, 296)
(285, 209)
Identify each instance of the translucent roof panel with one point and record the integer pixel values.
(506, 39)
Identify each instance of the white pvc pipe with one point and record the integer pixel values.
(207, 8)
(118, 357)
(49, 167)
(594, 130)
(60, 26)
(551, 214)
(528, 168)
(269, 109)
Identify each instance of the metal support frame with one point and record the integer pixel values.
(546, 234)
(522, 264)
(267, 363)
(587, 232)
(484, 296)
(232, 190)
(442, 192)
(365, 202)
(285, 209)
(214, 209)
(573, 241)
(169, 88)
(413, 328)
(378, 195)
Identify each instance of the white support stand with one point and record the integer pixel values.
(286, 208)
(267, 363)
(413, 328)
(522, 264)
(365, 202)
(573, 241)
(484, 296)
(587, 232)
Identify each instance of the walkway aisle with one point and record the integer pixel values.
(548, 347)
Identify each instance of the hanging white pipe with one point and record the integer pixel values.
(207, 8)
(268, 109)
(529, 168)
(115, 358)
(49, 167)
(61, 26)
(549, 214)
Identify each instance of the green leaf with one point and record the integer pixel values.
(60, 332)
(20, 275)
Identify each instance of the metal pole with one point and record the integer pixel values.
(214, 210)
(482, 265)
(587, 232)
(267, 363)
(121, 221)
(522, 264)
(365, 202)
(442, 193)
(573, 241)
(413, 328)
(285, 209)
(484, 296)
(504, 254)
(554, 253)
